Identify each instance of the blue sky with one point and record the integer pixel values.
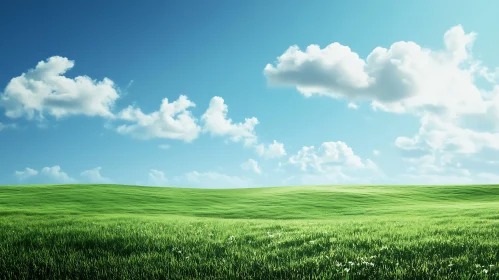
(363, 92)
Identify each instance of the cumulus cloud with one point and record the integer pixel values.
(332, 162)
(45, 90)
(27, 173)
(216, 123)
(94, 176)
(328, 155)
(273, 150)
(56, 173)
(52, 174)
(157, 177)
(404, 78)
(172, 121)
(251, 165)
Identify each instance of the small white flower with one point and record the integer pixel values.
(485, 271)
(477, 266)
(347, 269)
(491, 265)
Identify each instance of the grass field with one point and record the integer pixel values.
(337, 232)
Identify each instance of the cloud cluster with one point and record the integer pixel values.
(438, 86)
(54, 174)
(46, 91)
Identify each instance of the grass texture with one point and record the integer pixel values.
(315, 232)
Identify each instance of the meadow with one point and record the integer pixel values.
(313, 232)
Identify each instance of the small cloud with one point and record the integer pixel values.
(352, 105)
(274, 150)
(157, 177)
(27, 173)
(94, 176)
(56, 173)
(376, 152)
(216, 123)
(251, 165)
(164, 146)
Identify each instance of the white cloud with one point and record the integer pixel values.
(27, 173)
(376, 152)
(329, 155)
(216, 123)
(57, 174)
(54, 174)
(403, 78)
(164, 146)
(459, 118)
(213, 180)
(172, 121)
(45, 90)
(274, 150)
(157, 177)
(332, 162)
(94, 176)
(352, 105)
(251, 165)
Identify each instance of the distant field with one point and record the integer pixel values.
(337, 232)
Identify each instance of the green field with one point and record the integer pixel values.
(329, 232)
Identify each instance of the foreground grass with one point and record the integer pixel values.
(354, 232)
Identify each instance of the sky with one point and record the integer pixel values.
(231, 94)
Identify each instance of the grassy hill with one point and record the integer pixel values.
(316, 232)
